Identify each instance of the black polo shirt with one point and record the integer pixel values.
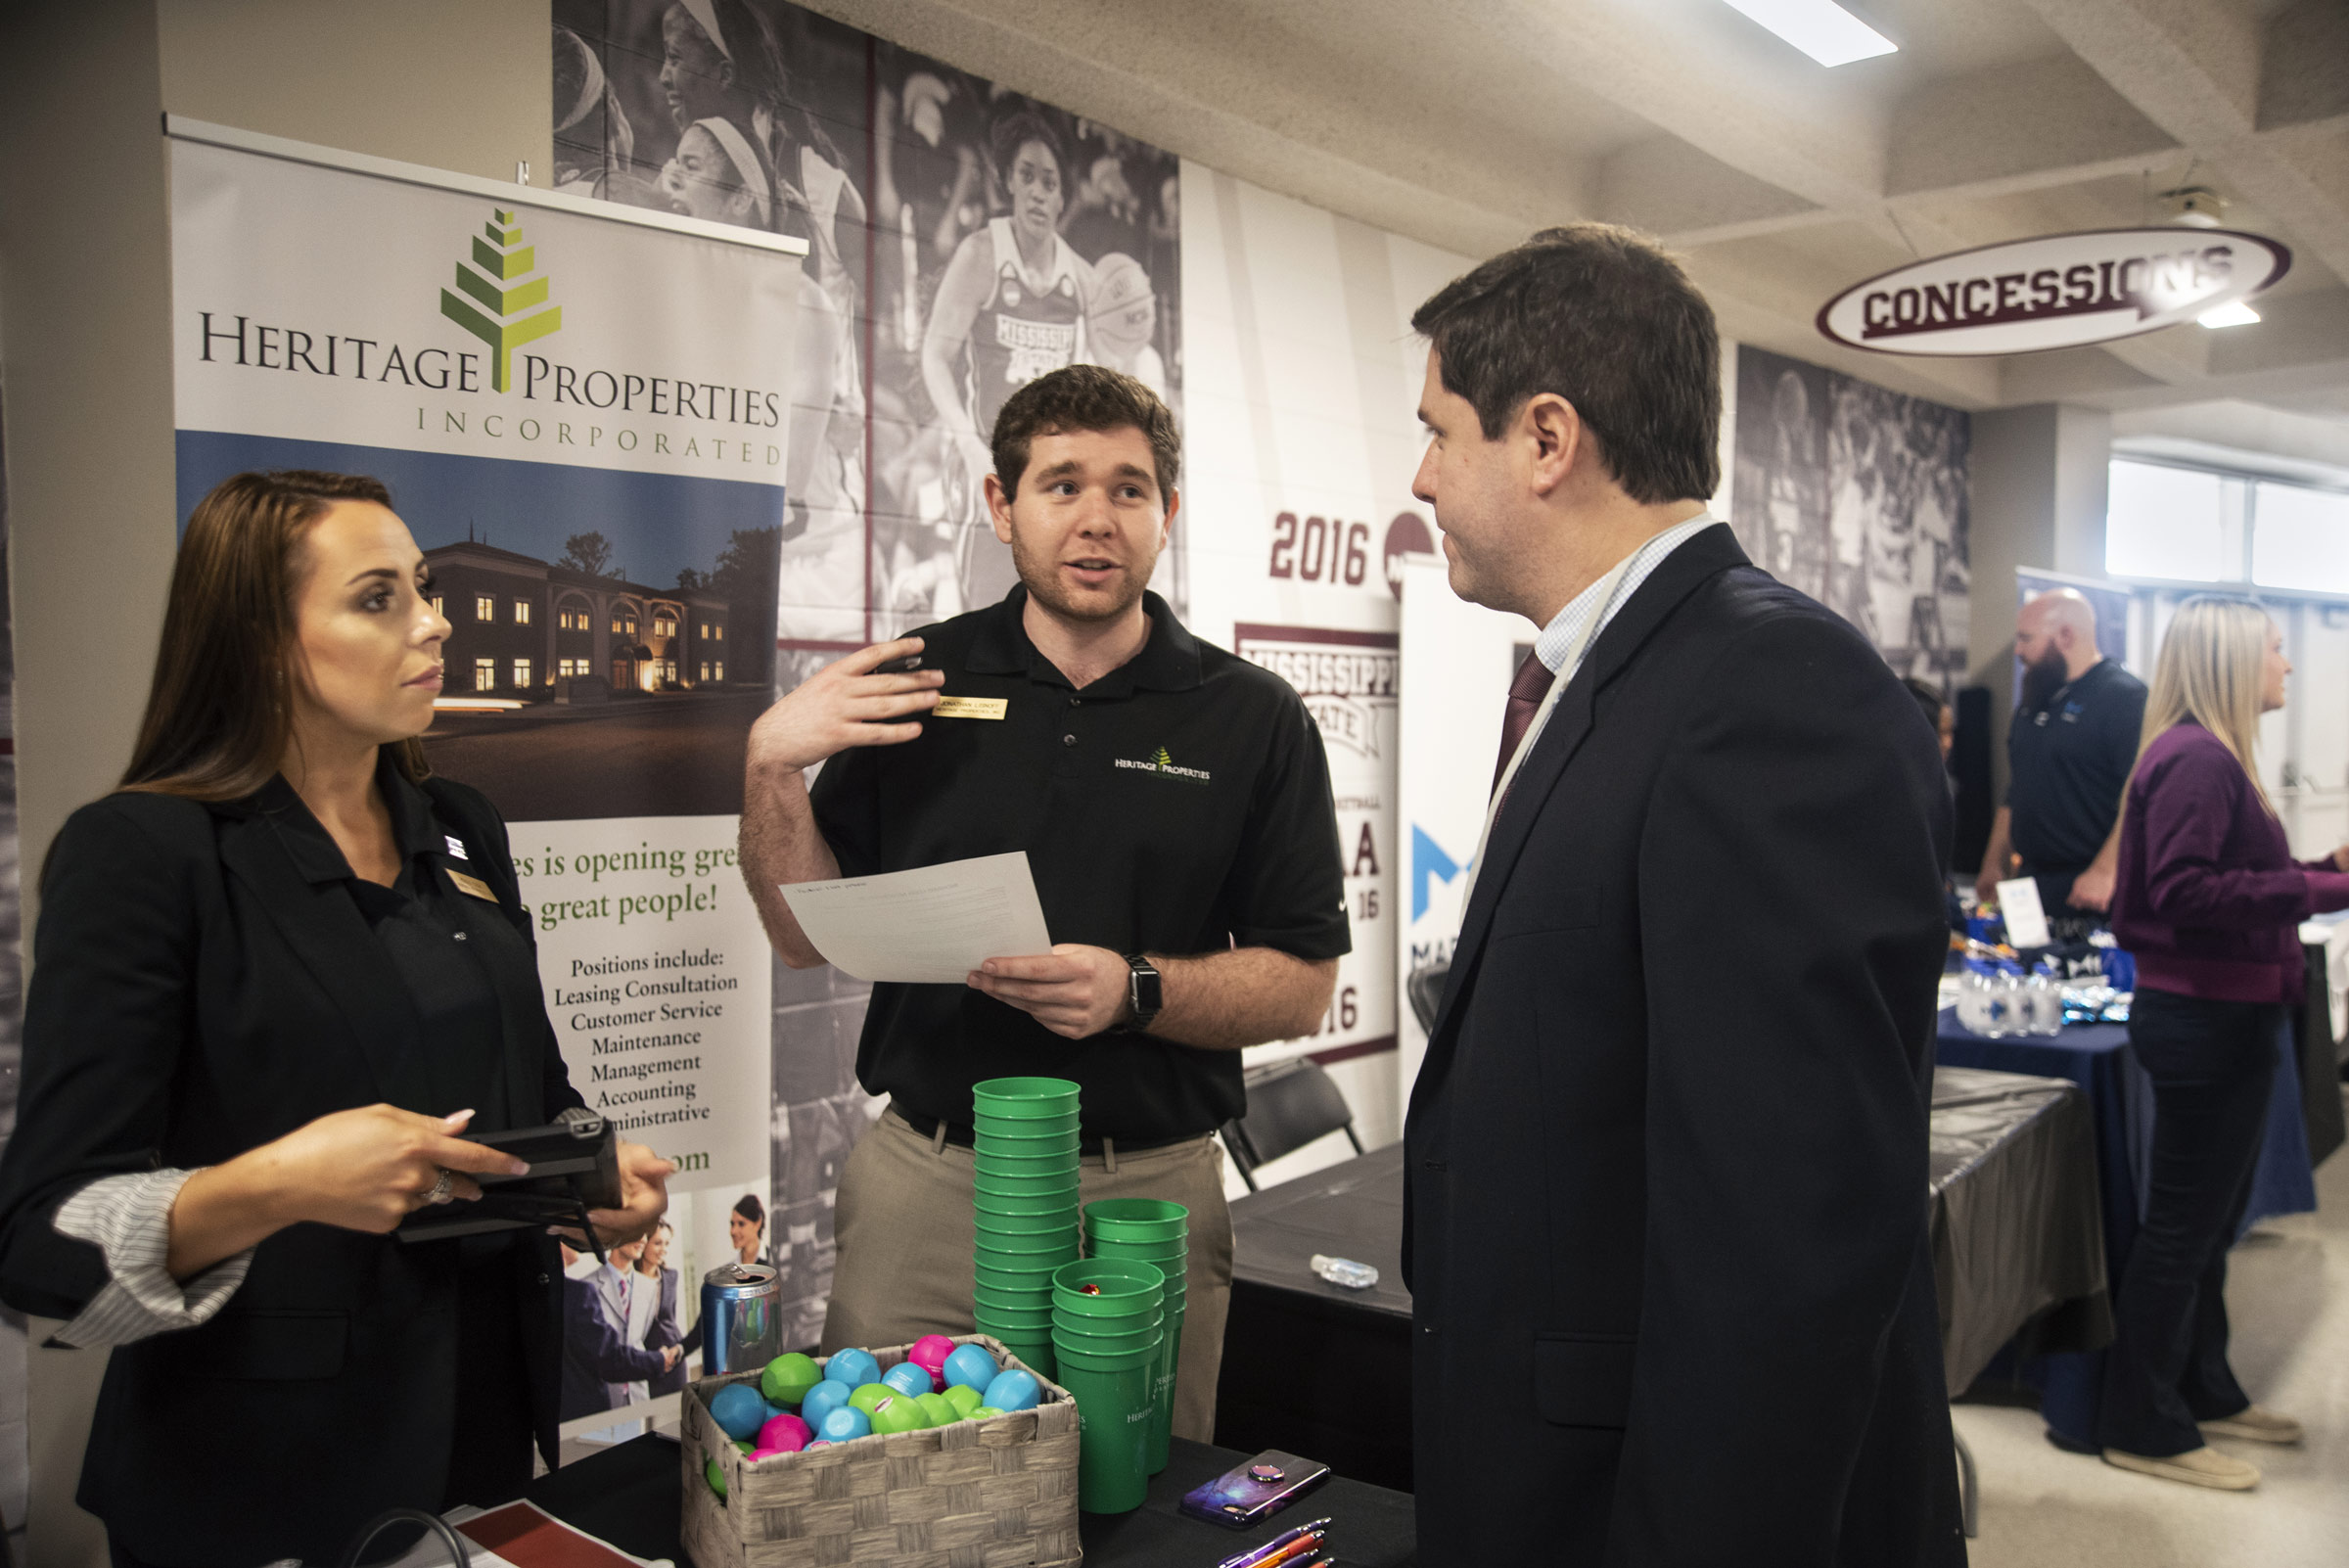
(2067, 763)
(1178, 804)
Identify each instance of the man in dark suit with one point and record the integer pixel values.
(1665, 1226)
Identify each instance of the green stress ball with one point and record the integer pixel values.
(788, 1378)
(897, 1413)
(964, 1397)
(939, 1408)
(745, 1445)
(869, 1395)
(715, 1476)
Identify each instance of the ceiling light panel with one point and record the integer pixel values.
(1820, 28)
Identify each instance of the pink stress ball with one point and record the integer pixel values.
(785, 1434)
(930, 1352)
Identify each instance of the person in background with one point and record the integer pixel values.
(2209, 900)
(278, 974)
(1937, 712)
(2068, 752)
(1673, 1294)
(599, 1361)
(746, 1228)
(652, 1263)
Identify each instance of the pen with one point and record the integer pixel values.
(1254, 1556)
(1296, 1552)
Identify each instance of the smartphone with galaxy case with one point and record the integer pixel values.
(1252, 1491)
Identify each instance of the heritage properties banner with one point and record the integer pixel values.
(583, 415)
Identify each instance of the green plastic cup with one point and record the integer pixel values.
(1161, 1411)
(1113, 1410)
(1023, 1096)
(1009, 1251)
(1169, 1258)
(1136, 1220)
(1119, 1288)
(1001, 1273)
(1028, 1125)
(1024, 1157)
(1145, 1333)
(1059, 1186)
(999, 1153)
(1025, 1217)
(1034, 1353)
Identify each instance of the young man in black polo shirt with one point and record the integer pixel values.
(2070, 749)
(1175, 805)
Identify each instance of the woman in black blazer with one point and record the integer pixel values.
(276, 975)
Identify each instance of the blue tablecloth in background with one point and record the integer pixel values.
(2120, 1102)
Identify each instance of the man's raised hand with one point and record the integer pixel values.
(847, 702)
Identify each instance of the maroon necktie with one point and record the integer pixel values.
(1525, 701)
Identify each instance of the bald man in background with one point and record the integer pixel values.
(2069, 751)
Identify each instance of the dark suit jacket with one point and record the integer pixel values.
(198, 991)
(596, 1352)
(1666, 1220)
(666, 1332)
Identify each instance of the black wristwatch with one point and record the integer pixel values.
(1143, 991)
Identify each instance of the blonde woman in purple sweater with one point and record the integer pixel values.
(2209, 900)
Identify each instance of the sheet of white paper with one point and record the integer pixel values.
(2026, 921)
(929, 925)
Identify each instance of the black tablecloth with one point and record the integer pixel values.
(628, 1496)
(1325, 1371)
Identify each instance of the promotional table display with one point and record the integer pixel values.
(1108, 1333)
(981, 1463)
(1025, 1138)
(1157, 1232)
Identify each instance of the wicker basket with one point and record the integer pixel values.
(994, 1494)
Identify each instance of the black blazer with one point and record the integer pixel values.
(196, 994)
(1666, 1221)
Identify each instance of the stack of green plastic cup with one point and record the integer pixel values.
(1025, 1132)
(1157, 1232)
(1108, 1324)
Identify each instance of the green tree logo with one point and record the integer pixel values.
(501, 277)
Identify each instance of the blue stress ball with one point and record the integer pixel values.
(822, 1400)
(1013, 1390)
(972, 1368)
(907, 1378)
(845, 1425)
(738, 1410)
(853, 1367)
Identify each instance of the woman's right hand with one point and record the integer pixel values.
(368, 1169)
(362, 1170)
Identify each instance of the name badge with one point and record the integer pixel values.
(473, 884)
(970, 707)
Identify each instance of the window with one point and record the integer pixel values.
(2183, 524)
(484, 674)
(437, 609)
(704, 669)
(570, 620)
(668, 670)
(717, 632)
(663, 626)
(719, 668)
(624, 625)
(521, 612)
(521, 674)
(485, 607)
(2300, 538)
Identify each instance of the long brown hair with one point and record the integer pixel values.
(218, 722)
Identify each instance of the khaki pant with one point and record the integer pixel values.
(905, 1235)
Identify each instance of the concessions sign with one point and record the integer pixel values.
(2058, 291)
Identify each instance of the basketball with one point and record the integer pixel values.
(1124, 309)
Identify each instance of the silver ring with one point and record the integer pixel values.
(439, 1190)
